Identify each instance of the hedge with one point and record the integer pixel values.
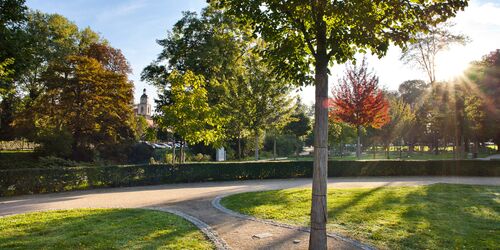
(31, 181)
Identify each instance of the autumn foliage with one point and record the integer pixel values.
(358, 100)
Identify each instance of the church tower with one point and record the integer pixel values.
(144, 106)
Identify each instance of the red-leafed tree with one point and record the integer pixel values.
(359, 102)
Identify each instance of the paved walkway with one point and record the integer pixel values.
(195, 199)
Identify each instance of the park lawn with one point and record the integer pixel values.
(439, 216)
(100, 229)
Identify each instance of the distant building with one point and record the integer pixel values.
(144, 108)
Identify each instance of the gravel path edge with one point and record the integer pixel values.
(212, 235)
(216, 204)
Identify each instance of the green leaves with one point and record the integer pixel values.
(85, 99)
(301, 32)
(189, 114)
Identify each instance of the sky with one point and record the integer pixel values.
(134, 26)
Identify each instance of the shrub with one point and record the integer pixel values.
(152, 161)
(198, 157)
(55, 162)
(207, 158)
(28, 181)
(113, 153)
(285, 144)
(12, 160)
(54, 143)
(159, 154)
(201, 157)
(140, 153)
(168, 157)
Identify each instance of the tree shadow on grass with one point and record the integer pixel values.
(421, 217)
(98, 229)
(440, 216)
(449, 216)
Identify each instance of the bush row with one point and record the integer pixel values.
(39, 180)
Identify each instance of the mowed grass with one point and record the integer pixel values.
(440, 216)
(100, 229)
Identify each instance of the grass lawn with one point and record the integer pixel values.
(100, 229)
(440, 216)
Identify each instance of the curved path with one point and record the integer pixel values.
(195, 199)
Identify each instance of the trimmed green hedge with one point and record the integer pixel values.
(30, 181)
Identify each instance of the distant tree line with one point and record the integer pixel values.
(217, 88)
(460, 115)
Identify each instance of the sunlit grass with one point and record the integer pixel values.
(438, 216)
(100, 229)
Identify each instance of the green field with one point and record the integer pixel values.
(441, 216)
(100, 229)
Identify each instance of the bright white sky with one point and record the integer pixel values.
(134, 25)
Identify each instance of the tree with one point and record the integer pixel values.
(415, 94)
(45, 39)
(312, 34)
(412, 92)
(112, 59)
(475, 116)
(340, 132)
(90, 102)
(425, 46)
(237, 107)
(269, 99)
(299, 125)
(359, 102)
(401, 121)
(141, 128)
(422, 51)
(5, 73)
(482, 79)
(189, 114)
(12, 18)
(209, 45)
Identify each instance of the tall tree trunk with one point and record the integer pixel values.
(173, 149)
(319, 215)
(256, 145)
(411, 147)
(239, 146)
(183, 157)
(274, 147)
(475, 153)
(341, 151)
(297, 148)
(436, 145)
(358, 144)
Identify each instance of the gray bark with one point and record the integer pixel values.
(319, 214)
(274, 147)
(239, 147)
(358, 144)
(475, 151)
(173, 150)
(256, 145)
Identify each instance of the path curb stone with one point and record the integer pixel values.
(219, 243)
(218, 206)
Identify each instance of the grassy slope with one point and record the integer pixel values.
(100, 229)
(425, 217)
